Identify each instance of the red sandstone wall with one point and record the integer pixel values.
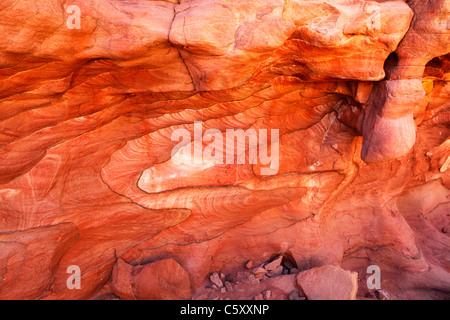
(358, 92)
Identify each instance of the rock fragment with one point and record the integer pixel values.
(228, 286)
(215, 279)
(259, 272)
(259, 297)
(293, 295)
(271, 266)
(381, 295)
(328, 283)
(278, 271)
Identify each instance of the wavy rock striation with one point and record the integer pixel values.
(357, 91)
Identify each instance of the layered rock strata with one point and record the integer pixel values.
(357, 91)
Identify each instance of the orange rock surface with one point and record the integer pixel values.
(357, 90)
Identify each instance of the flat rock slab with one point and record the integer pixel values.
(159, 280)
(328, 283)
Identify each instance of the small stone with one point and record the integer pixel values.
(267, 294)
(328, 283)
(247, 277)
(288, 265)
(249, 264)
(259, 297)
(294, 271)
(278, 271)
(381, 295)
(252, 279)
(223, 290)
(216, 280)
(293, 295)
(259, 270)
(228, 286)
(222, 276)
(271, 266)
(445, 166)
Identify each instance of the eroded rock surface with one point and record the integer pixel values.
(328, 283)
(160, 280)
(357, 92)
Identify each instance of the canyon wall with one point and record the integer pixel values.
(94, 95)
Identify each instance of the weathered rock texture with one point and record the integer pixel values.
(359, 91)
(328, 283)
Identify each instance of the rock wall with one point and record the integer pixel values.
(93, 92)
